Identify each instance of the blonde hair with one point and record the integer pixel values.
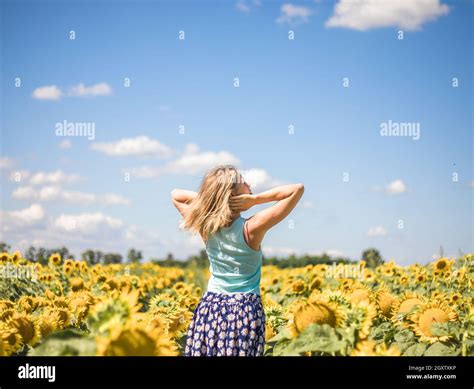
(210, 210)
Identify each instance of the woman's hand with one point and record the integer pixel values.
(242, 202)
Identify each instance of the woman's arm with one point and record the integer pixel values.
(181, 199)
(287, 196)
(246, 201)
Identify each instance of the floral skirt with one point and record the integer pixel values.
(227, 325)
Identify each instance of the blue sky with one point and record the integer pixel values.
(75, 191)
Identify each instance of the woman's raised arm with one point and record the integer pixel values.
(181, 199)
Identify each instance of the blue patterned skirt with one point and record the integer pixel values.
(227, 325)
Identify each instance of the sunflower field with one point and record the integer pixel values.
(68, 307)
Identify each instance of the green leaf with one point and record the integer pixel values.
(379, 332)
(316, 338)
(415, 350)
(440, 349)
(66, 343)
(283, 334)
(405, 336)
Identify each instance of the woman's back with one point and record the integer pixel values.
(234, 265)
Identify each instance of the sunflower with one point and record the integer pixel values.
(77, 284)
(421, 277)
(360, 293)
(298, 286)
(49, 323)
(10, 339)
(157, 322)
(363, 316)
(16, 257)
(455, 298)
(7, 313)
(68, 270)
(369, 275)
(80, 302)
(4, 257)
(429, 314)
(116, 310)
(367, 348)
(385, 302)
(269, 331)
(179, 321)
(387, 272)
(27, 303)
(63, 315)
(126, 342)
(442, 265)
(55, 259)
(304, 313)
(404, 305)
(135, 341)
(316, 283)
(403, 280)
(27, 327)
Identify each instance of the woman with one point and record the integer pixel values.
(229, 319)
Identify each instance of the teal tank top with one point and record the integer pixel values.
(234, 265)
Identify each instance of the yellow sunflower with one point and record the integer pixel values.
(4, 257)
(385, 302)
(405, 304)
(455, 298)
(10, 339)
(442, 265)
(27, 327)
(359, 294)
(55, 259)
(304, 313)
(16, 257)
(433, 312)
(49, 323)
(365, 313)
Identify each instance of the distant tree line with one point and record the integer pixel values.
(41, 255)
(92, 257)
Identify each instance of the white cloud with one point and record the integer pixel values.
(31, 226)
(376, 231)
(6, 163)
(330, 252)
(101, 89)
(259, 179)
(294, 14)
(471, 184)
(366, 14)
(65, 144)
(19, 175)
(87, 223)
(278, 251)
(55, 178)
(190, 162)
(242, 6)
(396, 187)
(55, 193)
(49, 92)
(139, 146)
(247, 6)
(23, 218)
